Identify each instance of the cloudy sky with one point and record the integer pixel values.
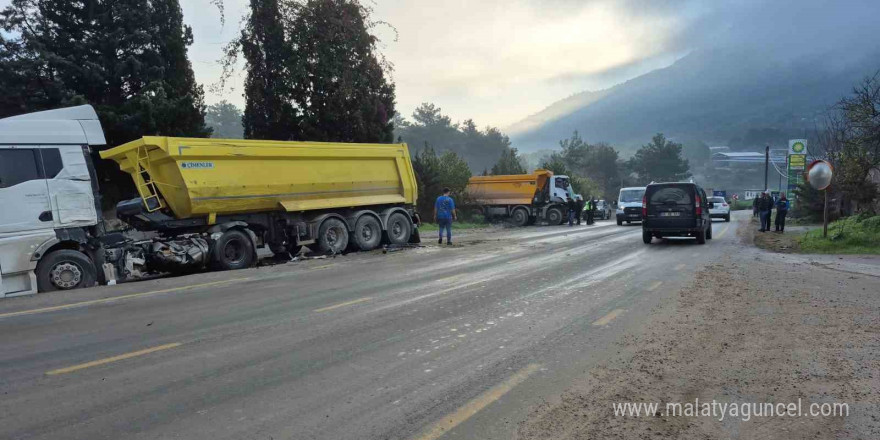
(497, 61)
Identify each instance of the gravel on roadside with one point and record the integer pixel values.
(753, 327)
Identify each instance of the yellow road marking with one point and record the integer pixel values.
(113, 359)
(654, 285)
(680, 266)
(449, 422)
(720, 234)
(609, 317)
(347, 303)
(323, 267)
(115, 298)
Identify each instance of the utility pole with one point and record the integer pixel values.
(766, 165)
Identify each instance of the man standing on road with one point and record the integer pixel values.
(755, 206)
(579, 209)
(571, 208)
(765, 207)
(591, 208)
(444, 214)
(781, 212)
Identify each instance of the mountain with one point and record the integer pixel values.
(709, 95)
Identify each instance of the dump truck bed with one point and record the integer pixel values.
(515, 189)
(201, 177)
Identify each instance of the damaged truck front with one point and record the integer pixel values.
(203, 203)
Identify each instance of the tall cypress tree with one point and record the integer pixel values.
(268, 112)
(339, 79)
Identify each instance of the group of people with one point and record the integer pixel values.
(763, 208)
(576, 210)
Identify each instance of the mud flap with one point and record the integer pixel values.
(414, 238)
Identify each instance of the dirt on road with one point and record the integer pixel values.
(756, 327)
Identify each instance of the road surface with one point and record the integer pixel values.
(435, 342)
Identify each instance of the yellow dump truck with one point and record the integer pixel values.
(523, 198)
(216, 203)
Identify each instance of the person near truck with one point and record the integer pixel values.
(591, 210)
(578, 209)
(781, 212)
(571, 208)
(444, 214)
(765, 208)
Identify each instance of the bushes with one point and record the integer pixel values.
(859, 234)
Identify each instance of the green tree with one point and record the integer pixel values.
(660, 161)
(128, 58)
(598, 162)
(508, 163)
(480, 148)
(339, 78)
(224, 118)
(433, 173)
(269, 112)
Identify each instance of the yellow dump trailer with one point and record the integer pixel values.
(209, 177)
(523, 198)
(331, 197)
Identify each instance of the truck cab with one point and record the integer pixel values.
(48, 192)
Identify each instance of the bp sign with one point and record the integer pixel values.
(797, 146)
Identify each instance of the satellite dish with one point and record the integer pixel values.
(819, 174)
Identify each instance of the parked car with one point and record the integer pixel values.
(721, 208)
(603, 210)
(676, 210)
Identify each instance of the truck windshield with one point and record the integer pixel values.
(631, 195)
(562, 182)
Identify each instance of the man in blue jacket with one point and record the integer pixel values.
(444, 214)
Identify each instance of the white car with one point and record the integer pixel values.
(721, 208)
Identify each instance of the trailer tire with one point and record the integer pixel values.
(332, 236)
(65, 269)
(367, 233)
(520, 217)
(233, 250)
(399, 228)
(554, 216)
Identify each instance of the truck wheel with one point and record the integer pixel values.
(554, 216)
(332, 236)
(367, 233)
(65, 269)
(520, 217)
(646, 236)
(233, 250)
(399, 228)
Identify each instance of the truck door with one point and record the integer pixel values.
(24, 195)
(70, 186)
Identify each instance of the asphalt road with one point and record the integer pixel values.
(424, 343)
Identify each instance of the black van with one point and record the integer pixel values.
(676, 210)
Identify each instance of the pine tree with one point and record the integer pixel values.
(269, 111)
(339, 82)
(128, 58)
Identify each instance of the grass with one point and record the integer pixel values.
(852, 235)
(455, 225)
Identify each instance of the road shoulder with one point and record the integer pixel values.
(753, 327)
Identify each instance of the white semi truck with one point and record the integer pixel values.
(203, 203)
